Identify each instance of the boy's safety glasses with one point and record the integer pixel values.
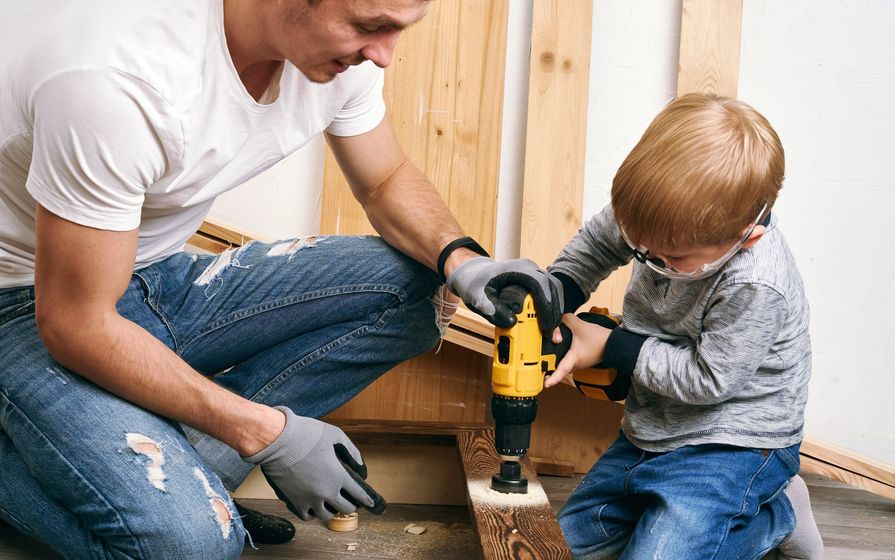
(642, 255)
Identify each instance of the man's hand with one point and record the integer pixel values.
(308, 467)
(479, 282)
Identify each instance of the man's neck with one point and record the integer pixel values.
(256, 64)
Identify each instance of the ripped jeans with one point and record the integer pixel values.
(307, 324)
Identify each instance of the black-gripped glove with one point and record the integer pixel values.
(480, 280)
(316, 470)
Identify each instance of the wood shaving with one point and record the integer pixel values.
(414, 529)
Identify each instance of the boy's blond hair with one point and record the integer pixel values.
(700, 174)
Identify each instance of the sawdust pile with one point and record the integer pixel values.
(480, 491)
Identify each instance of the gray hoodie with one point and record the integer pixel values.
(724, 360)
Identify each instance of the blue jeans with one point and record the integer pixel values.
(701, 502)
(306, 324)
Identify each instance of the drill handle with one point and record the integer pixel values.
(597, 382)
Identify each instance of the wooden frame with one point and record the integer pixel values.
(506, 531)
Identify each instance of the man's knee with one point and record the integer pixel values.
(211, 531)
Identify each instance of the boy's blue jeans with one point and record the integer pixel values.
(307, 326)
(698, 502)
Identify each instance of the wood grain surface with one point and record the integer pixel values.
(444, 93)
(710, 47)
(520, 532)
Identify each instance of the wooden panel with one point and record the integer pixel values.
(451, 386)
(572, 428)
(557, 126)
(444, 93)
(710, 47)
(403, 474)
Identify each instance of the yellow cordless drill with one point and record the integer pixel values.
(522, 357)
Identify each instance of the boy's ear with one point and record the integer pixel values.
(757, 233)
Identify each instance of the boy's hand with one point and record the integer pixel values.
(588, 345)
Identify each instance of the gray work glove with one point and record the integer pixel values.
(479, 282)
(308, 468)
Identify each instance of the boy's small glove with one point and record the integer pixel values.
(479, 282)
(316, 470)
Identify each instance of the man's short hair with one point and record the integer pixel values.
(700, 174)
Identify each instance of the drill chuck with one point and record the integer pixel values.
(513, 417)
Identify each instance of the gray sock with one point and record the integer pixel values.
(804, 543)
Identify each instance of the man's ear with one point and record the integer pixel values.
(757, 233)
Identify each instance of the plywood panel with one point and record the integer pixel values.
(444, 93)
(451, 386)
(710, 47)
(572, 428)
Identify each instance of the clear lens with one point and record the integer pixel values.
(703, 271)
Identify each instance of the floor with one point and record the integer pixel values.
(855, 525)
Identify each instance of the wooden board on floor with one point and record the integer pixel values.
(509, 527)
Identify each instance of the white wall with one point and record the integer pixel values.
(824, 75)
(822, 72)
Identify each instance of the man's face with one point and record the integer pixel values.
(324, 39)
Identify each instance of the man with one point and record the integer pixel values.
(140, 383)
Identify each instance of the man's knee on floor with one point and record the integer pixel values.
(196, 524)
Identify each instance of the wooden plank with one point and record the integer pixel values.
(710, 47)
(829, 470)
(445, 94)
(210, 244)
(556, 128)
(470, 341)
(235, 236)
(848, 460)
(568, 424)
(509, 526)
(473, 322)
(398, 432)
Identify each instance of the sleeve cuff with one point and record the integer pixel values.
(622, 350)
(573, 297)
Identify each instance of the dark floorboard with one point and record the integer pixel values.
(855, 525)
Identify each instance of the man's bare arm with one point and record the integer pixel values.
(401, 203)
(81, 273)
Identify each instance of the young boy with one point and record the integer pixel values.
(714, 344)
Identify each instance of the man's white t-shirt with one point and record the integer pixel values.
(130, 114)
